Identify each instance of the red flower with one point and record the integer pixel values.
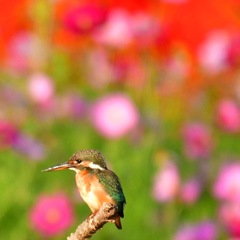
(190, 22)
(229, 214)
(85, 18)
(13, 18)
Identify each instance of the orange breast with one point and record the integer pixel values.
(92, 191)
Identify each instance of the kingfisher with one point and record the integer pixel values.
(95, 182)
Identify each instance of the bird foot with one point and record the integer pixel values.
(91, 216)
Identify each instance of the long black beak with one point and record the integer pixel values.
(61, 166)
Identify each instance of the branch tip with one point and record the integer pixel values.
(107, 213)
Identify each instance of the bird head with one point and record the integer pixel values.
(82, 160)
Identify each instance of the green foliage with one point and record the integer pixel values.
(21, 181)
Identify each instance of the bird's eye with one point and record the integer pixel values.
(78, 160)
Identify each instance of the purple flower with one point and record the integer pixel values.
(114, 115)
(227, 184)
(85, 18)
(197, 140)
(228, 115)
(72, 106)
(166, 183)
(201, 231)
(51, 215)
(206, 231)
(29, 147)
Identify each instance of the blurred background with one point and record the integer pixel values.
(154, 85)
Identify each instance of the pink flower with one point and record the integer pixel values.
(145, 28)
(99, 68)
(186, 232)
(166, 183)
(201, 231)
(176, 68)
(85, 18)
(41, 89)
(213, 52)
(26, 51)
(229, 215)
(228, 115)
(8, 133)
(227, 185)
(122, 28)
(114, 115)
(190, 191)
(197, 140)
(51, 215)
(19, 52)
(117, 31)
(130, 71)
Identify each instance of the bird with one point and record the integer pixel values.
(95, 182)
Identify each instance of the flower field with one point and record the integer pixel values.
(153, 85)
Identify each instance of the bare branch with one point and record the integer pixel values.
(107, 213)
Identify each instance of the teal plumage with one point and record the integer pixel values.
(112, 185)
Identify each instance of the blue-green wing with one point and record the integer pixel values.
(112, 185)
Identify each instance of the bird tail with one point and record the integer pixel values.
(118, 222)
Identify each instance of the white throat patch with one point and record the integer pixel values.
(75, 169)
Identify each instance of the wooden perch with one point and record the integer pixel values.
(107, 213)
